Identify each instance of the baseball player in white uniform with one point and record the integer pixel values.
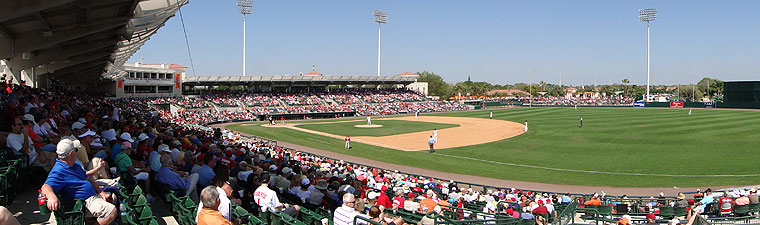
(435, 134)
(369, 120)
(348, 142)
(526, 126)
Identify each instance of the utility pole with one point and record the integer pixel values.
(530, 88)
(693, 77)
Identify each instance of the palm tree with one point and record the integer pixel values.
(543, 85)
(625, 86)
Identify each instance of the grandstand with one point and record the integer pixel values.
(71, 85)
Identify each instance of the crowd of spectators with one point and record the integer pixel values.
(186, 102)
(80, 142)
(362, 101)
(569, 101)
(300, 99)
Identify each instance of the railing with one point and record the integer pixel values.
(567, 215)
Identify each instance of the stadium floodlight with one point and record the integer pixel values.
(246, 7)
(380, 17)
(647, 15)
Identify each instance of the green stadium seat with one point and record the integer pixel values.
(605, 212)
(288, 220)
(138, 201)
(679, 211)
(527, 222)
(741, 210)
(140, 216)
(667, 212)
(754, 208)
(125, 193)
(75, 216)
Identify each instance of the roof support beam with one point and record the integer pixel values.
(78, 68)
(31, 41)
(48, 56)
(13, 8)
(5, 33)
(79, 59)
(43, 22)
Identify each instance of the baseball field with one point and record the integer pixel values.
(621, 147)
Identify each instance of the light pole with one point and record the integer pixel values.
(380, 17)
(246, 7)
(647, 15)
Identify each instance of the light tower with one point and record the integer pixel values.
(647, 15)
(246, 7)
(380, 17)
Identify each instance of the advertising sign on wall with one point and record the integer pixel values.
(676, 104)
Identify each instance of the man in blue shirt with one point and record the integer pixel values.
(174, 180)
(699, 207)
(72, 182)
(155, 156)
(207, 171)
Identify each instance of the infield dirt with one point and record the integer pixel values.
(471, 131)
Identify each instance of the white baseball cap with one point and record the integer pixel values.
(64, 147)
(88, 133)
(77, 125)
(142, 137)
(127, 137)
(28, 117)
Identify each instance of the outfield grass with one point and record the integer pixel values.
(390, 127)
(613, 140)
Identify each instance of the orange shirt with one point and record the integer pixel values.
(593, 201)
(211, 217)
(429, 203)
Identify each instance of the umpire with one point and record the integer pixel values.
(431, 141)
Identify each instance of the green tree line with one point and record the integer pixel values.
(438, 87)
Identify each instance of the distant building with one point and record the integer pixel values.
(419, 87)
(151, 80)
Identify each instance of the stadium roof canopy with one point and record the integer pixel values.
(296, 80)
(78, 41)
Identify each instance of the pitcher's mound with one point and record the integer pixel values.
(368, 126)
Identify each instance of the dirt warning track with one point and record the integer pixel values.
(471, 131)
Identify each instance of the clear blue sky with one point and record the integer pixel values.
(493, 41)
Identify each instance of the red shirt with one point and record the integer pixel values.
(384, 201)
(34, 136)
(541, 210)
(228, 162)
(725, 200)
(399, 201)
(348, 139)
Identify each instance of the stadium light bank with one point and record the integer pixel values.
(246, 7)
(647, 15)
(380, 17)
